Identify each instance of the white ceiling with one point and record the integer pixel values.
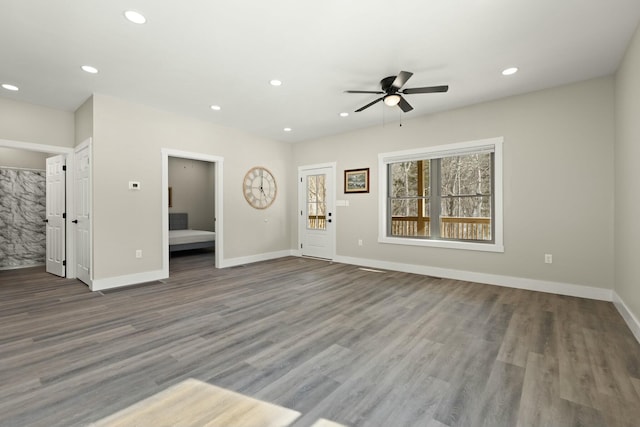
(195, 53)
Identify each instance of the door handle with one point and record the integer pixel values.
(75, 221)
(46, 220)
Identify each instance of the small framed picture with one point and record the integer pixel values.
(356, 180)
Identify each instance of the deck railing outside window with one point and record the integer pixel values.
(450, 227)
(317, 222)
(409, 226)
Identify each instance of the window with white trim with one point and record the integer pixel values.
(445, 196)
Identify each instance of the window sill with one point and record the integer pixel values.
(447, 244)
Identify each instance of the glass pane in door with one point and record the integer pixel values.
(316, 202)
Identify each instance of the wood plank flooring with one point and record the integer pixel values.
(336, 344)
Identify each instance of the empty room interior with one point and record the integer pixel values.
(329, 214)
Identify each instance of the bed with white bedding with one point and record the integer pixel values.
(181, 238)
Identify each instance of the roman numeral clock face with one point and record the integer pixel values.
(259, 187)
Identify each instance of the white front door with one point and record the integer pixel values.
(55, 220)
(317, 216)
(81, 223)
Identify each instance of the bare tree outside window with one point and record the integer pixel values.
(459, 188)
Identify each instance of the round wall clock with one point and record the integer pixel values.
(259, 187)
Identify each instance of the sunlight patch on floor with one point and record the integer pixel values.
(196, 403)
(326, 423)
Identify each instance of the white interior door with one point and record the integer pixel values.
(81, 222)
(317, 218)
(55, 220)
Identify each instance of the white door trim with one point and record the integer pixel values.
(218, 208)
(31, 146)
(68, 152)
(302, 201)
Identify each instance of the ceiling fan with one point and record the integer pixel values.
(391, 88)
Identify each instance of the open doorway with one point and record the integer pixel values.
(25, 163)
(192, 204)
(192, 226)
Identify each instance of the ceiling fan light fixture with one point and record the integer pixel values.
(392, 100)
(391, 91)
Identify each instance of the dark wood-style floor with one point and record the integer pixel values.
(327, 340)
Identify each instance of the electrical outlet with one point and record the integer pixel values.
(359, 242)
(139, 253)
(548, 259)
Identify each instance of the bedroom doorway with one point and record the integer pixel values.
(191, 204)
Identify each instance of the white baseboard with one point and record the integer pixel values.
(470, 276)
(127, 280)
(627, 315)
(489, 279)
(232, 262)
(150, 276)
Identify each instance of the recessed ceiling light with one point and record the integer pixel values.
(275, 82)
(510, 71)
(10, 87)
(344, 114)
(89, 69)
(287, 129)
(215, 107)
(135, 17)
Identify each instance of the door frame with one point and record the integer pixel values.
(218, 208)
(302, 200)
(68, 152)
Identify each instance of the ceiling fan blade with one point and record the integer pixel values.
(404, 105)
(369, 104)
(430, 89)
(364, 91)
(401, 79)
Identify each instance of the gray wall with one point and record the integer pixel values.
(127, 144)
(14, 158)
(83, 121)
(627, 178)
(20, 121)
(558, 185)
(192, 187)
